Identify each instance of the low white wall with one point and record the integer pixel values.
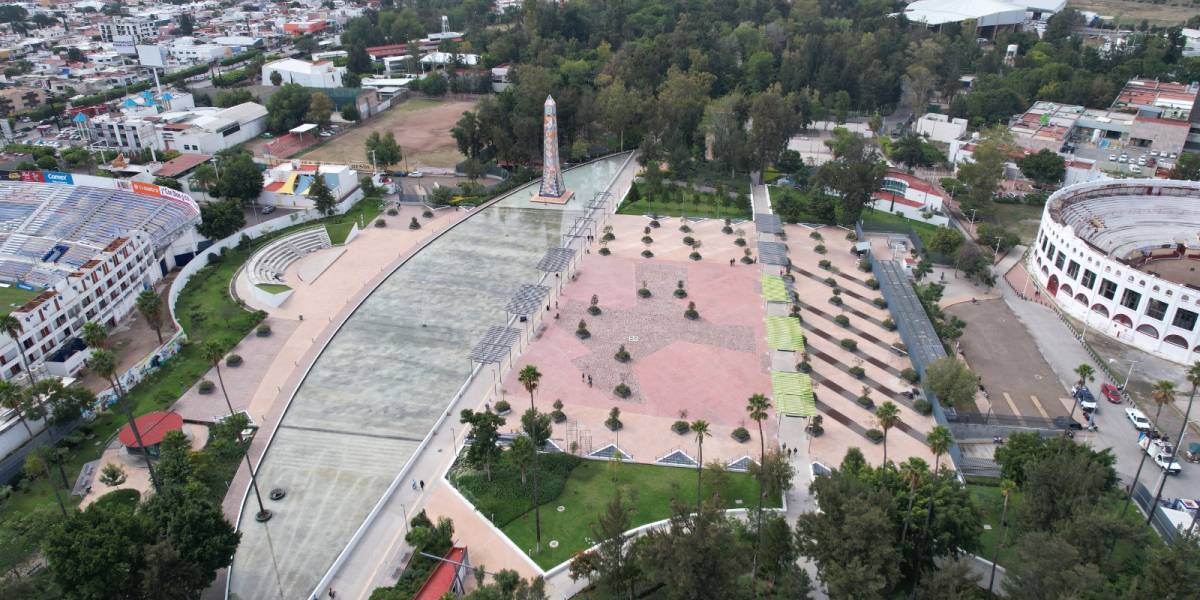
(274, 300)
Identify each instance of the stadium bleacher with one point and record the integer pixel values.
(35, 218)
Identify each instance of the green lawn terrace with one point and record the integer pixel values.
(13, 297)
(581, 494)
(680, 201)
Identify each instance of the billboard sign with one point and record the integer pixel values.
(152, 55)
(58, 177)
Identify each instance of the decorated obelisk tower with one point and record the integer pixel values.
(553, 190)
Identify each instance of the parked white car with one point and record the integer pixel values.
(1138, 419)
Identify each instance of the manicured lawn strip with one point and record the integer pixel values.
(504, 498)
(888, 220)
(272, 288)
(206, 312)
(591, 486)
(339, 231)
(991, 502)
(706, 207)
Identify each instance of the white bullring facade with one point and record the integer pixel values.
(1123, 256)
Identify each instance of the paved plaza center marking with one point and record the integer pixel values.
(1038, 405)
(1011, 405)
(385, 436)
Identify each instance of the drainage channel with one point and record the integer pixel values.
(871, 359)
(879, 387)
(863, 334)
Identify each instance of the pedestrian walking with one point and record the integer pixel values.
(589, 381)
(422, 485)
(731, 262)
(582, 377)
(414, 484)
(332, 594)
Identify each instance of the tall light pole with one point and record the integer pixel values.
(1129, 374)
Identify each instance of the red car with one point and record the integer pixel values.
(1111, 392)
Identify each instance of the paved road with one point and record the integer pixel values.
(1063, 352)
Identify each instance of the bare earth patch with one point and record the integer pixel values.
(421, 126)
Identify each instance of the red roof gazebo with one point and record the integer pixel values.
(152, 427)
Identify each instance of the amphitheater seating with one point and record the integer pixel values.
(267, 265)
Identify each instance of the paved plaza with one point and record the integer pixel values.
(837, 389)
(705, 368)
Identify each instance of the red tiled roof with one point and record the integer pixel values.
(273, 186)
(890, 196)
(152, 427)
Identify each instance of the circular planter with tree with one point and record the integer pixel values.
(644, 291)
(622, 354)
(414, 224)
(206, 387)
(594, 307)
(558, 415)
(233, 360)
(581, 331)
(613, 422)
(874, 435)
(263, 330)
(680, 292)
(503, 408)
(741, 434)
(681, 427)
(691, 313)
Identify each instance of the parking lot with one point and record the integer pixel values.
(1127, 159)
(1000, 350)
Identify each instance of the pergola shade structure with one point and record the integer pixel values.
(556, 260)
(527, 300)
(496, 345)
(773, 253)
(774, 289)
(783, 333)
(793, 394)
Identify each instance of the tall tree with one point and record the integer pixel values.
(149, 304)
(485, 437)
(240, 176)
(1007, 487)
(772, 124)
(529, 378)
(1193, 377)
(322, 196)
(104, 364)
(700, 428)
(692, 556)
(14, 399)
(1049, 567)
(952, 382)
(855, 173)
(214, 354)
(11, 326)
(612, 567)
(320, 109)
(887, 415)
(939, 441)
(756, 407)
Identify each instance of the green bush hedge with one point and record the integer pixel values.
(504, 499)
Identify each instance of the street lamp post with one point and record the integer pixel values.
(1128, 374)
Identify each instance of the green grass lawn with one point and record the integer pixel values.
(13, 297)
(590, 487)
(1021, 219)
(273, 288)
(888, 220)
(207, 313)
(339, 231)
(692, 204)
(991, 503)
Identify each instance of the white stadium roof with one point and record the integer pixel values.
(985, 12)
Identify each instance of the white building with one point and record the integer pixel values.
(1119, 255)
(910, 197)
(209, 130)
(186, 50)
(314, 75)
(288, 184)
(939, 128)
(128, 31)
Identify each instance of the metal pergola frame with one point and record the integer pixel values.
(556, 260)
(527, 300)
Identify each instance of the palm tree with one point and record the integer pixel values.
(522, 454)
(911, 471)
(1007, 487)
(13, 398)
(700, 428)
(12, 326)
(1193, 377)
(757, 406)
(529, 378)
(204, 177)
(104, 364)
(213, 353)
(939, 441)
(150, 305)
(94, 335)
(887, 414)
(1086, 373)
(1163, 393)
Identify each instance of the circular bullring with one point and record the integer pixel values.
(1124, 257)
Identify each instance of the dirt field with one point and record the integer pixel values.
(422, 128)
(1132, 12)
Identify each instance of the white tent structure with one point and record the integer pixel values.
(986, 13)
